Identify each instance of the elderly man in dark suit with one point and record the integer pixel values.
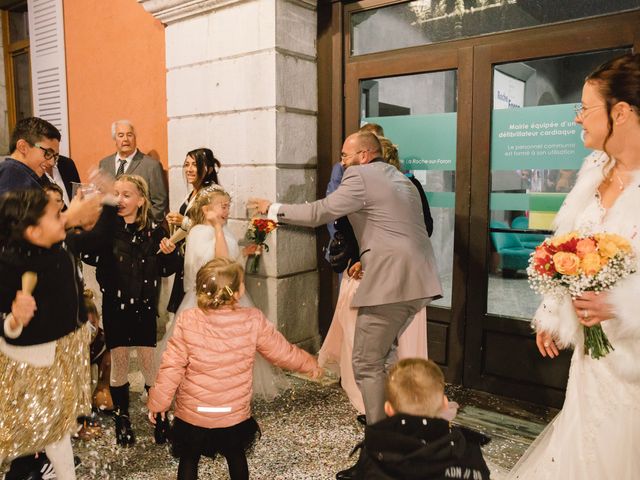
(128, 159)
(400, 275)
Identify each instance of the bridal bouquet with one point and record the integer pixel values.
(257, 233)
(574, 263)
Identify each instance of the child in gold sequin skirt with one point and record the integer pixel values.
(44, 359)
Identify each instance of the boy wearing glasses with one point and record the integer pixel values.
(34, 148)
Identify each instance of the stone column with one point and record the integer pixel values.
(242, 80)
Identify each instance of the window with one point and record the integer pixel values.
(15, 29)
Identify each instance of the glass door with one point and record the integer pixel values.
(486, 123)
(527, 152)
(423, 104)
(418, 114)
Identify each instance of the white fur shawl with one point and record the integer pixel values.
(557, 315)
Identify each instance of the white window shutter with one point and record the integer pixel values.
(48, 69)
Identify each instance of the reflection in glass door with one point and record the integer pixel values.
(536, 152)
(418, 114)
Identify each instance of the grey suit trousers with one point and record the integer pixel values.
(377, 328)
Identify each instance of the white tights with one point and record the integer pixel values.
(60, 455)
(120, 365)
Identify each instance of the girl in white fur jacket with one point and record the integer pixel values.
(597, 433)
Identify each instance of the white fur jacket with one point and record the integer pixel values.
(578, 212)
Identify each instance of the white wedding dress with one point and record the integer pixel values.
(597, 433)
(268, 381)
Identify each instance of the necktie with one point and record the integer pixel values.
(120, 171)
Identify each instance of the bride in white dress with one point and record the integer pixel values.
(208, 238)
(597, 433)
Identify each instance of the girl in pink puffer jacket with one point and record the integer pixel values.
(208, 365)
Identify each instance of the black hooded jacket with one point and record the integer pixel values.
(421, 448)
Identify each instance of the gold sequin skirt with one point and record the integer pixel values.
(39, 405)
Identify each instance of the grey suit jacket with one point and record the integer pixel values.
(385, 211)
(151, 171)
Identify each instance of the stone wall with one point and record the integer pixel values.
(242, 80)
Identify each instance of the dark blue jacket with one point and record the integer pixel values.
(15, 175)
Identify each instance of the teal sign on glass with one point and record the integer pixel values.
(425, 142)
(536, 138)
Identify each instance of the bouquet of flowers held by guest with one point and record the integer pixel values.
(257, 233)
(575, 263)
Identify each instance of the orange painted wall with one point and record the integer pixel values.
(115, 55)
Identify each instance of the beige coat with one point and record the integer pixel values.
(385, 211)
(209, 361)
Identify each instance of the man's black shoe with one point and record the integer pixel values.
(347, 474)
(362, 420)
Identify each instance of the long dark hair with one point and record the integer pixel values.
(19, 210)
(618, 80)
(207, 166)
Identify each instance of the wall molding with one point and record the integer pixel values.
(171, 11)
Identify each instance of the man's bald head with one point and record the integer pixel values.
(360, 148)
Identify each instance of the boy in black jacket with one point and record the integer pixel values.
(414, 443)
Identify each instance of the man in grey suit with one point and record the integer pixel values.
(400, 275)
(128, 159)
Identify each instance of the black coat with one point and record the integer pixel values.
(405, 447)
(58, 292)
(128, 269)
(426, 211)
(69, 173)
(177, 291)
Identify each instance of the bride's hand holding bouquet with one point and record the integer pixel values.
(582, 266)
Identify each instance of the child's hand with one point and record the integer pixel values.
(23, 308)
(252, 249)
(317, 373)
(174, 218)
(152, 416)
(167, 246)
(355, 271)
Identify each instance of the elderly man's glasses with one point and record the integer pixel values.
(581, 110)
(49, 153)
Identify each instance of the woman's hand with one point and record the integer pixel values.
(167, 246)
(174, 218)
(546, 344)
(355, 271)
(252, 249)
(593, 308)
(23, 309)
(152, 416)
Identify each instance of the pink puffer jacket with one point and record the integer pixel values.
(209, 361)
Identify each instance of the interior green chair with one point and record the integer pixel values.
(513, 255)
(528, 240)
